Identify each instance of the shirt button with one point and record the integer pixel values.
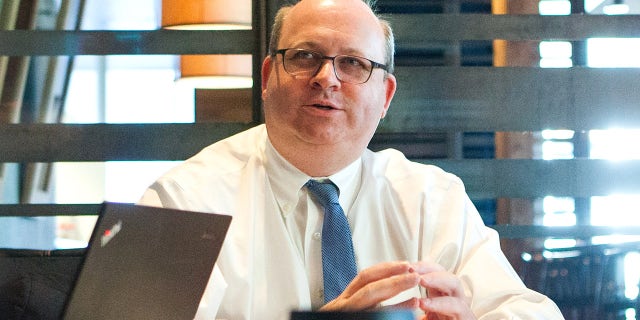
(317, 236)
(286, 207)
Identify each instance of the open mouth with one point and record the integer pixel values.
(323, 107)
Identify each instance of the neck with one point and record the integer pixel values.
(314, 160)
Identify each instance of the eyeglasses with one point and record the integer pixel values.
(306, 63)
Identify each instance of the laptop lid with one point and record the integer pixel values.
(146, 263)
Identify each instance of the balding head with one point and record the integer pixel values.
(367, 6)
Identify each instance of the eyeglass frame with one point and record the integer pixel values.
(374, 65)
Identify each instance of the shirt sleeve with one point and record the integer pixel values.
(465, 246)
(166, 193)
(497, 291)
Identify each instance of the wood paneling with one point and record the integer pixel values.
(432, 103)
(487, 99)
(54, 43)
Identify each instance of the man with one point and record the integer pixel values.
(419, 243)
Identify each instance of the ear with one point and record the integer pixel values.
(267, 65)
(390, 84)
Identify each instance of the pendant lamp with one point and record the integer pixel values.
(211, 71)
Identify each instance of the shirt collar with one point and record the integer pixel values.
(348, 182)
(286, 180)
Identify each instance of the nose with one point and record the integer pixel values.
(326, 76)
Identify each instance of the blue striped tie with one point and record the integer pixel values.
(338, 260)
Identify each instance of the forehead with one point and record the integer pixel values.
(333, 26)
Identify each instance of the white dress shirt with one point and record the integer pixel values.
(303, 216)
(270, 263)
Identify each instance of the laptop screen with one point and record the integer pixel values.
(146, 263)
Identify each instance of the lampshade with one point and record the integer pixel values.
(218, 71)
(206, 14)
(211, 71)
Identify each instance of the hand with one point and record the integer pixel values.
(376, 284)
(446, 298)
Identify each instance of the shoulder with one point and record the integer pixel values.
(225, 157)
(206, 181)
(232, 153)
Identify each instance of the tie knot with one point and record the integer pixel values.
(325, 192)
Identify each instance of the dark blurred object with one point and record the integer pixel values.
(35, 284)
(586, 282)
(373, 315)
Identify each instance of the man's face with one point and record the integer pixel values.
(320, 109)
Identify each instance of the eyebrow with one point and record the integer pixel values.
(309, 45)
(314, 46)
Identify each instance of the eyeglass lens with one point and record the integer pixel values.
(350, 69)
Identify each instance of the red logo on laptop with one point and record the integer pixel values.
(110, 233)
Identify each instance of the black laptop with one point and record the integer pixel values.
(146, 263)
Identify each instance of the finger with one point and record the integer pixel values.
(446, 306)
(426, 266)
(372, 294)
(444, 283)
(377, 272)
(412, 303)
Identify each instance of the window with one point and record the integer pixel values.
(612, 144)
(117, 89)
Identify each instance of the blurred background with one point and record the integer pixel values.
(534, 104)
